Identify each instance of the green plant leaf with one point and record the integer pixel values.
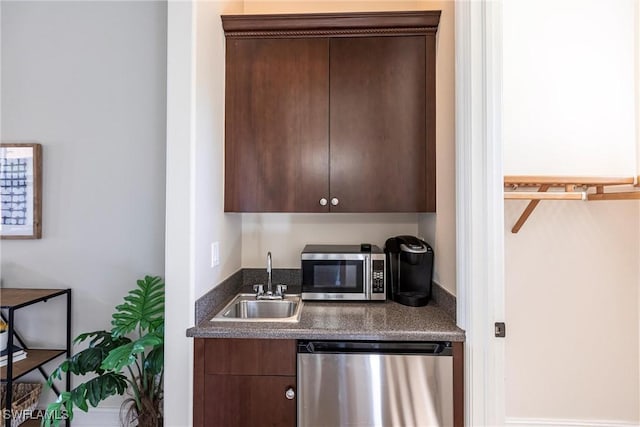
(55, 411)
(119, 357)
(102, 339)
(90, 359)
(143, 307)
(154, 362)
(91, 393)
(125, 355)
(78, 397)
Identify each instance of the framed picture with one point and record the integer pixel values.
(21, 190)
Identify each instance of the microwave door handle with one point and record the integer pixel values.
(367, 283)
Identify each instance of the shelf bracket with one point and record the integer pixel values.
(528, 210)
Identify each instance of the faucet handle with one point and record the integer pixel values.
(281, 289)
(258, 289)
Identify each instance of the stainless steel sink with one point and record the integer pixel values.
(246, 308)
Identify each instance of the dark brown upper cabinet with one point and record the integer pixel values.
(330, 112)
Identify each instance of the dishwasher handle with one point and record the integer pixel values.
(431, 348)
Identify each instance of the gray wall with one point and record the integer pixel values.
(87, 80)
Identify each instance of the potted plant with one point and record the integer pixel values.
(129, 358)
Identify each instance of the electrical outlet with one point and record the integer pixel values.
(215, 254)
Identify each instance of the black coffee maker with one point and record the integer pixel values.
(409, 270)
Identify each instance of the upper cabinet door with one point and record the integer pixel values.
(276, 148)
(380, 125)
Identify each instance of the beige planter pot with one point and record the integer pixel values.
(4, 337)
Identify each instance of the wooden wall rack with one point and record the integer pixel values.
(537, 188)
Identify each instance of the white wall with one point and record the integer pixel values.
(87, 81)
(573, 271)
(211, 223)
(439, 229)
(195, 217)
(569, 81)
(180, 224)
(286, 234)
(572, 312)
(637, 79)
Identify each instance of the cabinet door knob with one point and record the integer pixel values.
(335, 201)
(290, 393)
(323, 202)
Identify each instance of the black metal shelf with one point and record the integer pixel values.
(12, 299)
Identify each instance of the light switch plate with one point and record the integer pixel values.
(215, 254)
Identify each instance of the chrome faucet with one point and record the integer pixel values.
(269, 294)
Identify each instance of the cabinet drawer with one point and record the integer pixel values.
(250, 357)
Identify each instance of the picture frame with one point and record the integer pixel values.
(21, 190)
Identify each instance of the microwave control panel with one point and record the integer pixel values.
(377, 276)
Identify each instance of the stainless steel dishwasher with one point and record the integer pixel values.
(367, 384)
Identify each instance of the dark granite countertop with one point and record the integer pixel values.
(384, 321)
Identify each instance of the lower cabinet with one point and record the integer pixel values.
(244, 382)
(249, 400)
(252, 382)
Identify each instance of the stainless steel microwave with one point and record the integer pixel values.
(343, 272)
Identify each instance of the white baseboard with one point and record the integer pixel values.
(97, 417)
(547, 422)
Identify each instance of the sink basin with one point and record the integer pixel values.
(246, 308)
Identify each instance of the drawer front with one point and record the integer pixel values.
(248, 400)
(250, 357)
